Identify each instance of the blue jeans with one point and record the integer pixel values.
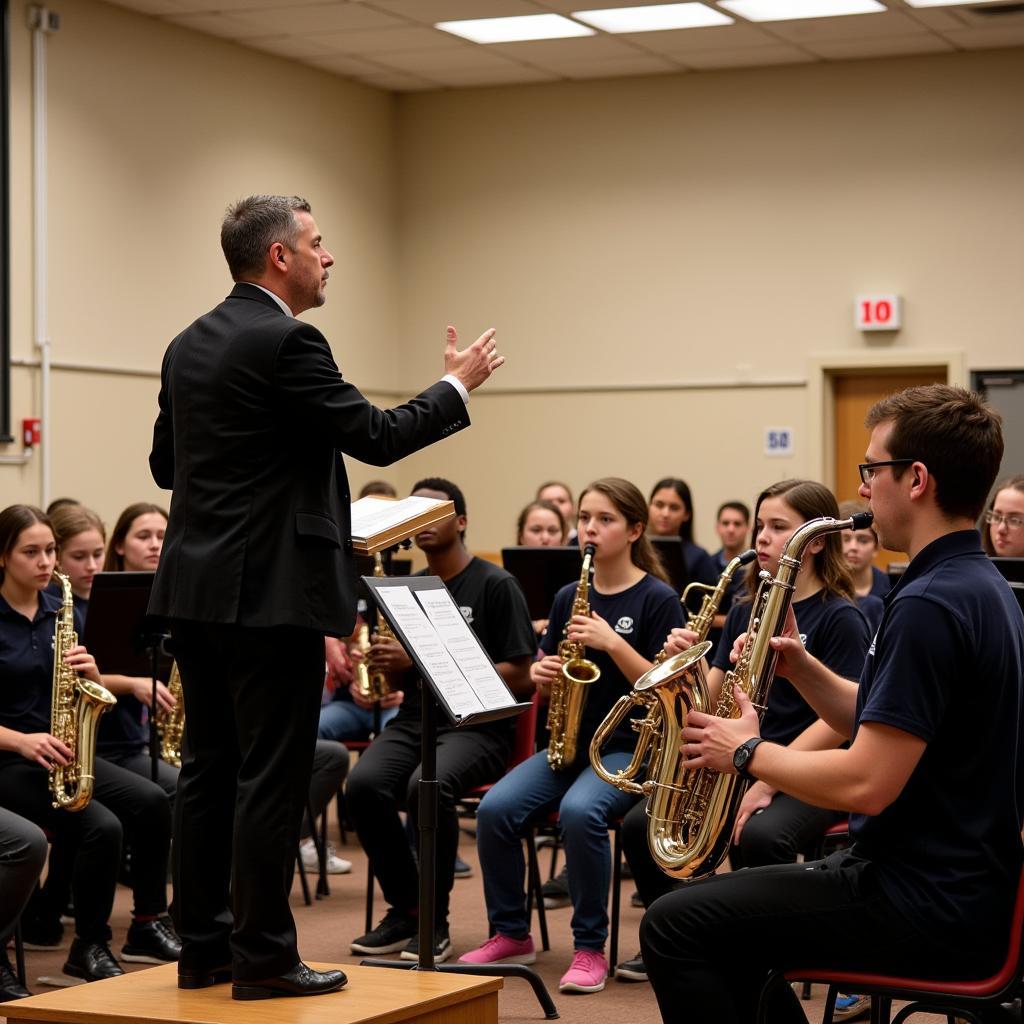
(343, 720)
(585, 805)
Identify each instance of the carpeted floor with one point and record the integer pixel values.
(329, 924)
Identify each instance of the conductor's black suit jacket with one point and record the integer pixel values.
(254, 418)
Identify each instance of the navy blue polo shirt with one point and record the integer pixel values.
(946, 665)
(26, 666)
(880, 585)
(832, 628)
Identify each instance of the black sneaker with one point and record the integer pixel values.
(632, 970)
(151, 942)
(556, 891)
(393, 932)
(442, 946)
(462, 869)
(91, 961)
(10, 987)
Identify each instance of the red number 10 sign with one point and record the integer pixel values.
(878, 313)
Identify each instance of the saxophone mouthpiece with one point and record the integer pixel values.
(748, 556)
(861, 520)
(589, 550)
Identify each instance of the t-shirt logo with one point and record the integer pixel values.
(625, 624)
(467, 613)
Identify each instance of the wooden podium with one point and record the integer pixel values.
(383, 997)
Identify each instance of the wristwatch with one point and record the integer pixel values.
(742, 755)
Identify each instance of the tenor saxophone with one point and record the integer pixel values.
(571, 686)
(689, 689)
(373, 685)
(691, 813)
(76, 706)
(171, 724)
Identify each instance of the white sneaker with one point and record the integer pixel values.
(335, 865)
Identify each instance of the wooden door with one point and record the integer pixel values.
(854, 392)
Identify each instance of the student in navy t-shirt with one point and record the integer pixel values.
(859, 549)
(670, 514)
(933, 776)
(631, 610)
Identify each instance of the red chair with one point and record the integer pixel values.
(950, 998)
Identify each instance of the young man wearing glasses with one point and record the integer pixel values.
(933, 773)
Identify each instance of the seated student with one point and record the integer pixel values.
(378, 487)
(22, 857)
(933, 784)
(670, 514)
(732, 524)
(541, 525)
(773, 827)
(869, 582)
(386, 776)
(559, 495)
(1004, 519)
(345, 713)
(631, 609)
(92, 836)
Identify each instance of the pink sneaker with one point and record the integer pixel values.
(587, 973)
(500, 949)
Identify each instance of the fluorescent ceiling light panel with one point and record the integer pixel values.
(655, 18)
(788, 10)
(515, 30)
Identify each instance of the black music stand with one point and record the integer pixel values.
(125, 639)
(673, 558)
(436, 691)
(542, 572)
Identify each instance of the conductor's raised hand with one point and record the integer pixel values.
(710, 741)
(473, 365)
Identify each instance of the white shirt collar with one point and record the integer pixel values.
(276, 298)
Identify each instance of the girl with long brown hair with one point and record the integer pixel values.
(631, 609)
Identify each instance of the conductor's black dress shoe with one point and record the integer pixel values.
(299, 981)
(203, 977)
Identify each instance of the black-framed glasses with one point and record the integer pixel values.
(867, 469)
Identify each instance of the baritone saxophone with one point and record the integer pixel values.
(691, 813)
(571, 686)
(76, 707)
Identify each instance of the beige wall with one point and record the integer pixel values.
(643, 245)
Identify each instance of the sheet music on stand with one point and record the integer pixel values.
(428, 623)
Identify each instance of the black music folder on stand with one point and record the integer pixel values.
(542, 572)
(461, 678)
(126, 640)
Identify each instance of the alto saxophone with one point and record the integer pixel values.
(691, 813)
(684, 671)
(76, 706)
(570, 688)
(171, 724)
(372, 685)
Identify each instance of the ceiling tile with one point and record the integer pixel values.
(149, 6)
(387, 40)
(843, 49)
(568, 6)
(515, 74)
(936, 18)
(213, 6)
(429, 12)
(341, 64)
(542, 51)
(987, 38)
(849, 26)
(395, 81)
(748, 57)
(460, 58)
(318, 18)
(725, 37)
(617, 67)
(288, 46)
